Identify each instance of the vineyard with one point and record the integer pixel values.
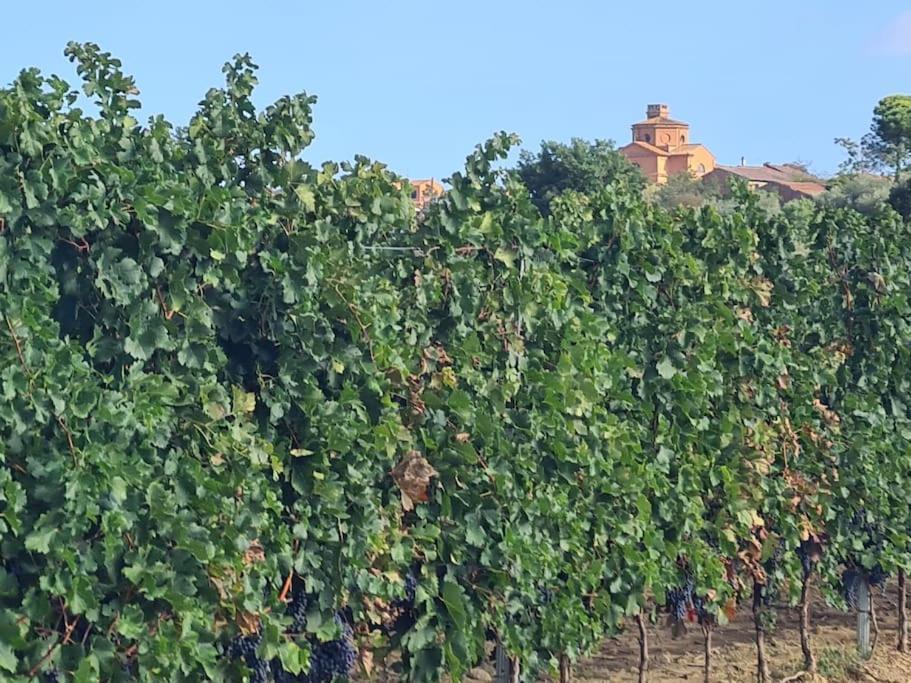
(261, 421)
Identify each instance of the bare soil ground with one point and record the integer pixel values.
(833, 639)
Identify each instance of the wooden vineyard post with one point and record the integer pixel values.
(502, 665)
(707, 642)
(863, 618)
(762, 665)
(566, 669)
(902, 612)
(507, 668)
(809, 659)
(643, 648)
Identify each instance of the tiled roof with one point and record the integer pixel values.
(426, 181)
(768, 173)
(806, 187)
(755, 173)
(686, 149)
(660, 121)
(647, 146)
(676, 151)
(784, 175)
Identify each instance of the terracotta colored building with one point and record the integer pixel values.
(789, 181)
(661, 147)
(423, 191)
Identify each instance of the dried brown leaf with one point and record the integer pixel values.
(248, 623)
(413, 475)
(254, 553)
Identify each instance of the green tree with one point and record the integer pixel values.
(900, 199)
(581, 165)
(887, 145)
(863, 192)
(680, 190)
(868, 156)
(892, 127)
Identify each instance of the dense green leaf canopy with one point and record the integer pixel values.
(227, 375)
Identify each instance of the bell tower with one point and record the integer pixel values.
(659, 130)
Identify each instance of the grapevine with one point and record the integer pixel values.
(256, 413)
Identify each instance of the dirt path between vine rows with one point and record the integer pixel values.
(734, 652)
(675, 660)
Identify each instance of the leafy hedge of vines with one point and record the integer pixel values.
(217, 361)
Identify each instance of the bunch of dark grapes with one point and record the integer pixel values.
(873, 533)
(411, 585)
(545, 596)
(297, 610)
(685, 605)
(806, 563)
(52, 676)
(279, 675)
(878, 575)
(678, 602)
(850, 578)
(405, 616)
(770, 566)
(774, 560)
(244, 649)
(333, 658)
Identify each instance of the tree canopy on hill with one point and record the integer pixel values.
(892, 128)
(581, 165)
(888, 144)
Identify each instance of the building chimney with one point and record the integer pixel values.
(654, 111)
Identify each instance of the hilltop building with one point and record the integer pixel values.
(661, 147)
(787, 180)
(424, 191)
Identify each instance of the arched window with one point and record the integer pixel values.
(700, 169)
(682, 139)
(648, 138)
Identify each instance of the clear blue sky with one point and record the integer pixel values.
(417, 84)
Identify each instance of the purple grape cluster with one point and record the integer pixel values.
(770, 589)
(333, 658)
(405, 612)
(411, 585)
(851, 578)
(806, 563)
(328, 661)
(244, 648)
(849, 581)
(877, 576)
(680, 599)
(297, 610)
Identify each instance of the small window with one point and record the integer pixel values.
(414, 194)
(701, 168)
(682, 139)
(648, 138)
